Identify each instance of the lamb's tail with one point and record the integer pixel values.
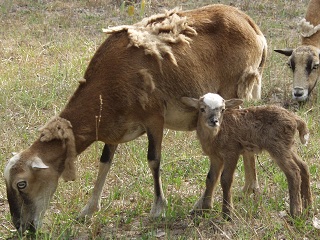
(303, 130)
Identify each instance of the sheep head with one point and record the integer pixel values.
(304, 63)
(211, 107)
(31, 176)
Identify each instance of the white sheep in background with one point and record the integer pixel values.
(225, 133)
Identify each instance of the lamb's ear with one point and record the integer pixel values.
(191, 102)
(232, 103)
(287, 52)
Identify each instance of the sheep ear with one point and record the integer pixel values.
(232, 103)
(287, 52)
(191, 102)
(56, 128)
(37, 163)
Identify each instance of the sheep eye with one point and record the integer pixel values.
(223, 109)
(202, 110)
(315, 66)
(289, 65)
(22, 185)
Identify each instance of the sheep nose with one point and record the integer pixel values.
(214, 121)
(298, 91)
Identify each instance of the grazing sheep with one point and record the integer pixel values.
(304, 60)
(225, 133)
(133, 86)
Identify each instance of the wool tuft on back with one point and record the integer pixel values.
(307, 29)
(156, 33)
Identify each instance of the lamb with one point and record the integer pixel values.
(225, 133)
(133, 86)
(304, 60)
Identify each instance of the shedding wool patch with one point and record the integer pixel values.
(156, 33)
(307, 29)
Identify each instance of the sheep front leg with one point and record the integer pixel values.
(205, 201)
(93, 204)
(226, 183)
(251, 181)
(154, 156)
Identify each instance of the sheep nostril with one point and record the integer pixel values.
(214, 121)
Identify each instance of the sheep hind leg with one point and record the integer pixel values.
(251, 181)
(154, 156)
(305, 181)
(214, 174)
(94, 202)
(292, 172)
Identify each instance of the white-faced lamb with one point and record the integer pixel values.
(226, 132)
(304, 60)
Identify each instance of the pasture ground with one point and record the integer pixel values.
(45, 47)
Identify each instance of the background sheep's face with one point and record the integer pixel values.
(304, 63)
(30, 186)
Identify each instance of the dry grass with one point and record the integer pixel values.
(45, 47)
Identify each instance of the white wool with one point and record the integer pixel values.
(307, 29)
(155, 34)
(306, 137)
(10, 164)
(213, 100)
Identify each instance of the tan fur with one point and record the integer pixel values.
(310, 26)
(269, 128)
(304, 60)
(139, 74)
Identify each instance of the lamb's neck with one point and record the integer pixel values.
(206, 136)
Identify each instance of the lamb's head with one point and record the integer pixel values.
(32, 176)
(304, 63)
(211, 107)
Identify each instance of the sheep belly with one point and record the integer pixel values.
(176, 119)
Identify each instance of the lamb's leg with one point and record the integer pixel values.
(93, 204)
(305, 181)
(226, 182)
(205, 201)
(251, 184)
(155, 134)
(284, 159)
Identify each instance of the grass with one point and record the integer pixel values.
(45, 48)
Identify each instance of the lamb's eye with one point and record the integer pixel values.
(315, 66)
(202, 110)
(21, 185)
(223, 109)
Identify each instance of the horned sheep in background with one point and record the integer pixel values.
(225, 133)
(132, 86)
(304, 60)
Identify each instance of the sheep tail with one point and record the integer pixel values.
(303, 130)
